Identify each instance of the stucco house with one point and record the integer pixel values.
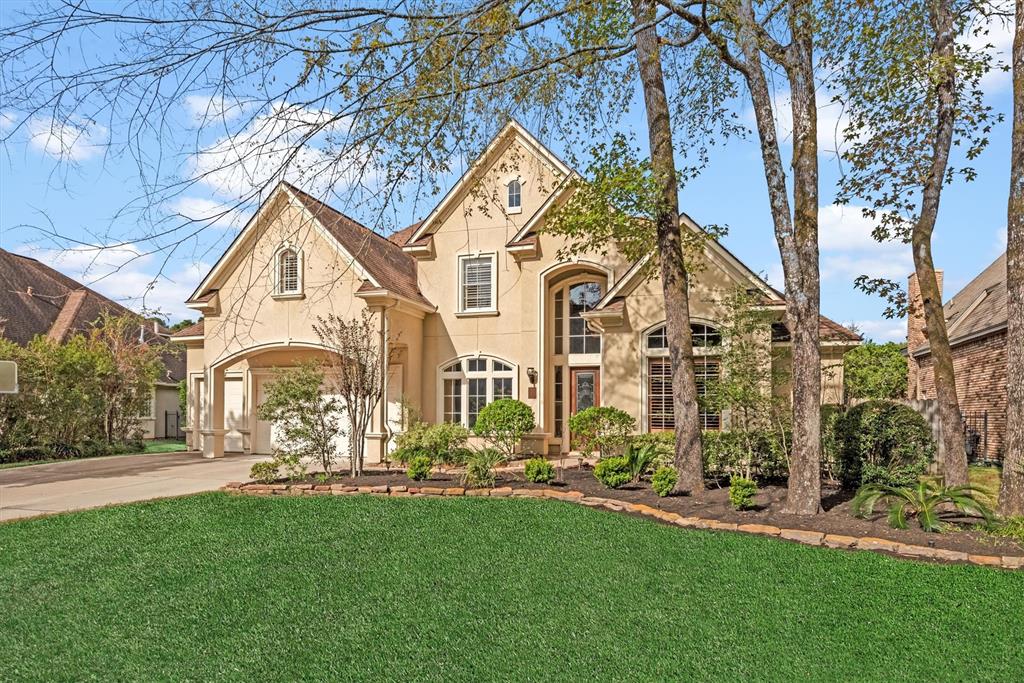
(39, 300)
(476, 305)
(976, 321)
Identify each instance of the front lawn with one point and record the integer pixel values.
(165, 446)
(328, 588)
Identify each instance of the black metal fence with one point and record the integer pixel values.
(172, 425)
(976, 437)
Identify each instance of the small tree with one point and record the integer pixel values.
(308, 418)
(875, 371)
(128, 368)
(747, 375)
(601, 428)
(358, 363)
(504, 423)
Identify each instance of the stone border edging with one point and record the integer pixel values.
(803, 536)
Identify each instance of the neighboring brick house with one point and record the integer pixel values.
(976, 322)
(37, 300)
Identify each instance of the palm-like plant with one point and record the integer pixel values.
(922, 501)
(639, 459)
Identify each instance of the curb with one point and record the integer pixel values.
(802, 536)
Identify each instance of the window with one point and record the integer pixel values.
(660, 410)
(472, 384)
(477, 283)
(660, 415)
(703, 336)
(559, 400)
(515, 196)
(289, 271)
(582, 297)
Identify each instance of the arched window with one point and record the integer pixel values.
(570, 303)
(515, 195)
(289, 271)
(660, 408)
(469, 384)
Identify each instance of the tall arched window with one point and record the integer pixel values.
(469, 384)
(660, 408)
(289, 271)
(515, 195)
(571, 302)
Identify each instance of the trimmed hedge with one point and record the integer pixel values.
(881, 442)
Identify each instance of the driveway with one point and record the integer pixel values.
(79, 484)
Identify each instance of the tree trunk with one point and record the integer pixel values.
(797, 238)
(950, 421)
(1011, 494)
(674, 278)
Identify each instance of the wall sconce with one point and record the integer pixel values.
(531, 373)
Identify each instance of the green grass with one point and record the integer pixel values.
(164, 446)
(360, 588)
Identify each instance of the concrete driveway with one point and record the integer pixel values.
(79, 484)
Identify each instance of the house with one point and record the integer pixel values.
(477, 305)
(38, 300)
(976, 324)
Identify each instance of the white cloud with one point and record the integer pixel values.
(291, 143)
(994, 34)
(883, 330)
(73, 140)
(7, 121)
(848, 250)
(212, 213)
(831, 122)
(129, 276)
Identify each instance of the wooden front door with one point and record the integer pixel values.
(584, 389)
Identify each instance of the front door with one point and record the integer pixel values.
(585, 389)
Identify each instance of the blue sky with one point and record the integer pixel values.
(38, 190)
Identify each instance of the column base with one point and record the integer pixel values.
(213, 443)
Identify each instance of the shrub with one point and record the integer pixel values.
(922, 500)
(1011, 527)
(664, 446)
(742, 492)
(880, 442)
(264, 472)
(539, 471)
(419, 468)
(444, 443)
(830, 415)
(25, 454)
(480, 467)
(601, 428)
(638, 460)
(504, 423)
(65, 451)
(664, 480)
(726, 453)
(613, 472)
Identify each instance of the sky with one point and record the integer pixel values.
(65, 180)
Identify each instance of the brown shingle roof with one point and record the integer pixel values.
(59, 306)
(978, 308)
(830, 330)
(400, 237)
(382, 258)
(195, 330)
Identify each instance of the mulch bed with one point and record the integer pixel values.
(714, 505)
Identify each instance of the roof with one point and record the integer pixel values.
(36, 300)
(400, 237)
(391, 267)
(830, 330)
(977, 309)
(195, 330)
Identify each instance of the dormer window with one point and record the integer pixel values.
(515, 196)
(288, 272)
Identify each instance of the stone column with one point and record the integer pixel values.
(213, 433)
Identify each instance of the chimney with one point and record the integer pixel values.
(917, 334)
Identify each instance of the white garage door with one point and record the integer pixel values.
(268, 434)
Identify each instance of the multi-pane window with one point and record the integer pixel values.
(703, 336)
(660, 410)
(473, 383)
(559, 320)
(582, 298)
(660, 415)
(288, 281)
(515, 195)
(559, 400)
(476, 282)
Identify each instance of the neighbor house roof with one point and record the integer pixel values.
(36, 300)
(978, 309)
(195, 330)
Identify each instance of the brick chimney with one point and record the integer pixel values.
(917, 334)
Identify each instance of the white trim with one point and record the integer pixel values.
(478, 166)
(298, 292)
(509, 209)
(465, 375)
(492, 309)
(542, 211)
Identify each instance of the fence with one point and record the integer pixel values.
(976, 437)
(172, 425)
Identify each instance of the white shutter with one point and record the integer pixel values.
(477, 276)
